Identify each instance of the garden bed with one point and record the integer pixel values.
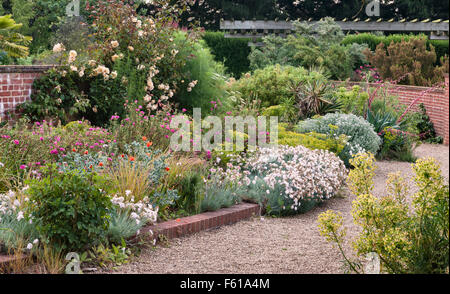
(182, 226)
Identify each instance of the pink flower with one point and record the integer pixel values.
(183, 110)
(16, 142)
(23, 166)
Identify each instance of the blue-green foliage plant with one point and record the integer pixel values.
(361, 134)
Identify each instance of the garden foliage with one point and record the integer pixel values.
(408, 62)
(311, 46)
(408, 237)
(361, 136)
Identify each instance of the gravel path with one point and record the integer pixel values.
(268, 245)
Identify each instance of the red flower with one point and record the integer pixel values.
(100, 164)
(144, 138)
(86, 152)
(131, 158)
(149, 144)
(74, 150)
(167, 169)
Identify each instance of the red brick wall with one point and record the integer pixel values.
(16, 85)
(436, 102)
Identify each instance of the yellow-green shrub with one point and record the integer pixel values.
(276, 110)
(311, 140)
(407, 238)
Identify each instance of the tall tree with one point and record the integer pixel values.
(13, 43)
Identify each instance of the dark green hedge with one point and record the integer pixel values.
(441, 46)
(232, 52)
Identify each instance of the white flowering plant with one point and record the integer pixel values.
(132, 56)
(284, 180)
(292, 180)
(15, 225)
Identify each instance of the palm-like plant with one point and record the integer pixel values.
(13, 43)
(312, 98)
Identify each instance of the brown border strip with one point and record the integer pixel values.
(201, 222)
(25, 68)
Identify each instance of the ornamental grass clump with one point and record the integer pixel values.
(407, 236)
(293, 180)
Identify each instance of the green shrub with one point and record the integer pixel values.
(232, 52)
(71, 208)
(190, 186)
(273, 84)
(441, 46)
(361, 135)
(275, 110)
(275, 51)
(63, 94)
(353, 101)
(408, 239)
(311, 46)
(408, 62)
(396, 146)
(421, 124)
(201, 67)
(312, 140)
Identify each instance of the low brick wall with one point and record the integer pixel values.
(203, 221)
(16, 83)
(436, 102)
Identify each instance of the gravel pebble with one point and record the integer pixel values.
(290, 245)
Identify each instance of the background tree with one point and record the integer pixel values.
(13, 43)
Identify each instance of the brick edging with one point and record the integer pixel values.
(186, 225)
(201, 222)
(6, 260)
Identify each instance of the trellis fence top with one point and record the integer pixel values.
(437, 29)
